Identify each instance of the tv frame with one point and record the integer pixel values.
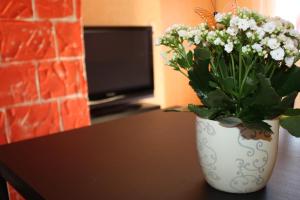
(124, 95)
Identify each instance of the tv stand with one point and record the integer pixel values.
(108, 113)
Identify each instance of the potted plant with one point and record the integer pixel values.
(243, 70)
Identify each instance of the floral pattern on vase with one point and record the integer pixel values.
(250, 171)
(232, 163)
(207, 154)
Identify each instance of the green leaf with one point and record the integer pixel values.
(260, 68)
(273, 111)
(228, 85)
(218, 98)
(222, 65)
(202, 53)
(264, 96)
(182, 63)
(291, 124)
(199, 78)
(213, 84)
(292, 112)
(251, 113)
(203, 111)
(190, 58)
(230, 121)
(286, 81)
(250, 86)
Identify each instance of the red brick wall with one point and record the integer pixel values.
(43, 88)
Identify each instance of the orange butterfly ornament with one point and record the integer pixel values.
(209, 17)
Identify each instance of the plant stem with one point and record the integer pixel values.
(240, 68)
(182, 52)
(220, 67)
(213, 67)
(233, 68)
(183, 73)
(268, 68)
(246, 75)
(273, 70)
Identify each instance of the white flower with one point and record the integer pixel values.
(243, 24)
(245, 49)
(277, 54)
(294, 33)
(249, 34)
(296, 42)
(273, 43)
(211, 35)
(229, 47)
(190, 34)
(234, 21)
(183, 33)
(289, 61)
(252, 24)
(218, 41)
(232, 31)
(289, 44)
(282, 37)
(269, 27)
(197, 39)
(175, 56)
(257, 47)
(219, 17)
(194, 33)
(260, 32)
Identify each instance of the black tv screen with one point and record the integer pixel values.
(118, 61)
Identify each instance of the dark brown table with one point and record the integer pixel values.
(149, 156)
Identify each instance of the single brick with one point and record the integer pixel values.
(54, 9)
(3, 139)
(21, 40)
(69, 38)
(17, 84)
(10, 9)
(75, 113)
(33, 121)
(61, 79)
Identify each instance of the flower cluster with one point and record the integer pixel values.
(248, 32)
(242, 68)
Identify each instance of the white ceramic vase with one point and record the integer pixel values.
(232, 163)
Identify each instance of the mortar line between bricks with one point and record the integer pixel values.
(60, 120)
(39, 102)
(73, 58)
(7, 127)
(74, 9)
(37, 81)
(69, 19)
(34, 13)
(55, 41)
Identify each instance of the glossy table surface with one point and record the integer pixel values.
(149, 156)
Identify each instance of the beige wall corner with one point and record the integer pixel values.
(176, 86)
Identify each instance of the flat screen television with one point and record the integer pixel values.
(119, 63)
